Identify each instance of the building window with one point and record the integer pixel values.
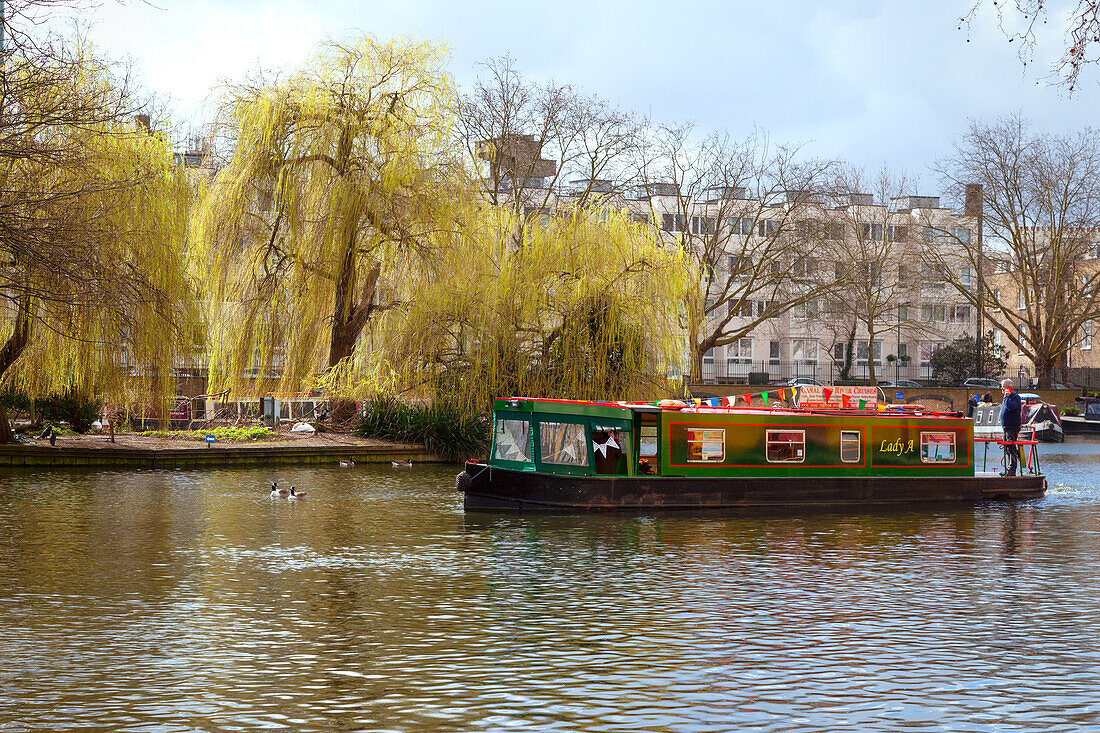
(708, 358)
(838, 353)
(786, 446)
(849, 446)
(740, 351)
(773, 352)
(1086, 335)
(903, 350)
(563, 443)
(1021, 332)
(896, 233)
(965, 277)
(512, 440)
(672, 222)
(767, 227)
(961, 235)
(702, 225)
(861, 353)
(804, 350)
(742, 226)
(927, 349)
(937, 447)
(706, 445)
(960, 314)
(1023, 303)
(871, 232)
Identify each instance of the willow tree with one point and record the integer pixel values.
(338, 180)
(93, 285)
(586, 308)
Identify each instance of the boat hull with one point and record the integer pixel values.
(1080, 426)
(490, 488)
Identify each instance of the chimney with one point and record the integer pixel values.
(974, 199)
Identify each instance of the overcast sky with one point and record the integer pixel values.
(873, 83)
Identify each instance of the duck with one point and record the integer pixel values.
(347, 464)
(277, 493)
(297, 494)
(402, 464)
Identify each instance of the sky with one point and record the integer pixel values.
(874, 83)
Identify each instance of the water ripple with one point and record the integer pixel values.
(176, 600)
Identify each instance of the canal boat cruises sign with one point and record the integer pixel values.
(618, 455)
(812, 396)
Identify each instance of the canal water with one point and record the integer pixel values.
(189, 600)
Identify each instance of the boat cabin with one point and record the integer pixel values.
(637, 439)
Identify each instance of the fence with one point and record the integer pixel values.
(774, 371)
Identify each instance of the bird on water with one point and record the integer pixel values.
(402, 464)
(297, 494)
(277, 493)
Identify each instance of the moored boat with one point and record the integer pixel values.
(560, 454)
(1039, 420)
(1088, 422)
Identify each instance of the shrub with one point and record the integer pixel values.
(444, 429)
(79, 412)
(1071, 411)
(225, 435)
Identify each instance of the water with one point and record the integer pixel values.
(188, 600)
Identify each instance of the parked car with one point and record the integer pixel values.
(982, 383)
(901, 383)
(798, 381)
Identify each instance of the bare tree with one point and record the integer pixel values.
(531, 144)
(1020, 19)
(871, 254)
(1039, 283)
(747, 214)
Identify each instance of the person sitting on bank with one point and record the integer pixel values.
(987, 398)
(1010, 423)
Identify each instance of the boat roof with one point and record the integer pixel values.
(623, 409)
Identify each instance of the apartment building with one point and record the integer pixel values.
(1080, 365)
(850, 265)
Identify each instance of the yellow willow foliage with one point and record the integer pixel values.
(340, 180)
(586, 308)
(96, 217)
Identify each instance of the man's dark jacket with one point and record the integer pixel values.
(1010, 412)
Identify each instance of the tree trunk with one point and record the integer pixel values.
(1044, 371)
(349, 320)
(12, 350)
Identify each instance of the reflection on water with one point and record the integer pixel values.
(190, 600)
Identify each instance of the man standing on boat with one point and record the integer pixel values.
(1010, 423)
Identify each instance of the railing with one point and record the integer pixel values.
(1027, 458)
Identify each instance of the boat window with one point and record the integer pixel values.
(512, 440)
(706, 445)
(786, 446)
(563, 443)
(607, 448)
(647, 445)
(937, 447)
(849, 446)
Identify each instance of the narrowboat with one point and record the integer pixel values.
(1038, 421)
(562, 454)
(1088, 422)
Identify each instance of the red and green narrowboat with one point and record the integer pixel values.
(561, 454)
